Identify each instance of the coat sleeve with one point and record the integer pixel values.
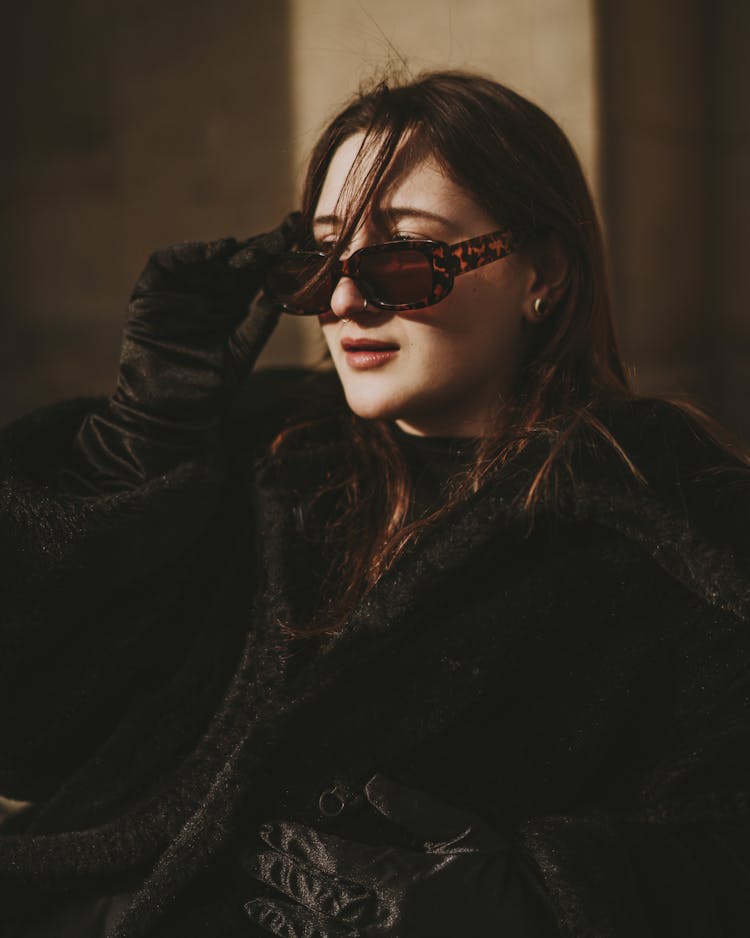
(105, 592)
(610, 875)
(673, 859)
(90, 586)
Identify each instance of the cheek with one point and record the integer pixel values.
(494, 305)
(477, 334)
(480, 314)
(328, 330)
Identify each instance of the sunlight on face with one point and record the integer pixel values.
(438, 371)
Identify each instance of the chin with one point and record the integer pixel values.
(371, 409)
(374, 403)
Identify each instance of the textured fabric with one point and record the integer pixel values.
(196, 324)
(432, 462)
(460, 883)
(584, 686)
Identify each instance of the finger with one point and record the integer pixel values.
(327, 895)
(193, 252)
(273, 242)
(290, 921)
(359, 863)
(287, 233)
(247, 341)
(443, 827)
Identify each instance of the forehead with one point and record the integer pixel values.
(423, 184)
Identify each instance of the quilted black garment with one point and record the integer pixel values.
(585, 687)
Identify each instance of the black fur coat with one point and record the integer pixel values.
(585, 686)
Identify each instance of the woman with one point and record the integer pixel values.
(450, 640)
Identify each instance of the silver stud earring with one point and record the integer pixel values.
(364, 305)
(345, 319)
(540, 308)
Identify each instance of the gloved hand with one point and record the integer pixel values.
(458, 886)
(186, 344)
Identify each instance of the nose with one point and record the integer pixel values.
(346, 299)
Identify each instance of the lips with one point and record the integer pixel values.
(368, 345)
(365, 354)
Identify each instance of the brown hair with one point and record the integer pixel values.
(518, 164)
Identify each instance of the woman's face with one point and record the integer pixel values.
(453, 362)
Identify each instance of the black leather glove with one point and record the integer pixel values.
(459, 885)
(188, 341)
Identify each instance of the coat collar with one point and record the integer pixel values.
(690, 515)
(690, 512)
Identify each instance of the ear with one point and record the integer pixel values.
(549, 263)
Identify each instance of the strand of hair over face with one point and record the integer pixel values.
(519, 165)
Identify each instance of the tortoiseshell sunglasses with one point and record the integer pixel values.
(393, 276)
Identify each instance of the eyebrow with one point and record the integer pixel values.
(394, 214)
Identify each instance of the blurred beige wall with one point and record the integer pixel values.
(675, 185)
(544, 49)
(131, 126)
(728, 308)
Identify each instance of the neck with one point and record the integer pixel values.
(446, 424)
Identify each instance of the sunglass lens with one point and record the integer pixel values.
(288, 279)
(398, 277)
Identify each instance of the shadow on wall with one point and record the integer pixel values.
(675, 132)
(131, 126)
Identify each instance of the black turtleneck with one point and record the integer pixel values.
(433, 461)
